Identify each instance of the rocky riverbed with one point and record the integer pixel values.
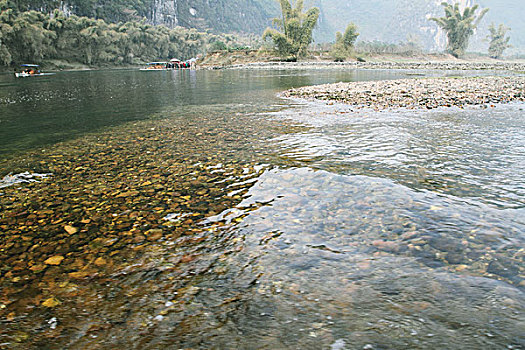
(419, 93)
(231, 223)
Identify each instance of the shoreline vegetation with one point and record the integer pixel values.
(426, 93)
(246, 60)
(260, 59)
(58, 40)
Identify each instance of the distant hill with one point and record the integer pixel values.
(396, 20)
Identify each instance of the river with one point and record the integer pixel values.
(198, 209)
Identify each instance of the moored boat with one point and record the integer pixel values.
(30, 70)
(178, 64)
(174, 63)
(156, 66)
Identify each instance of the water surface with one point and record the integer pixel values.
(210, 213)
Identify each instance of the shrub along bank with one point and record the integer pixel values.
(34, 37)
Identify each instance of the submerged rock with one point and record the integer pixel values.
(54, 260)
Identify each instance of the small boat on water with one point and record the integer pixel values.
(156, 66)
(171, 65)
(188, 64)
(30, 70)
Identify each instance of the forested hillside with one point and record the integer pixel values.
(97, 32)
(219, 16)
(33, 36)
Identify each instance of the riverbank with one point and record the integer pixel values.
(251, 60)
(430, 65)
(59, 66)
(419, 93)
(254, 60)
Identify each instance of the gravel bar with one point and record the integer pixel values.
(429, 65)
(419, 93)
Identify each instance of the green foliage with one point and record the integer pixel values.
(408, 48)
(350, 36)
(344, 43)
(31, 36)
(22, 35)
(338, 52)
(295, 27)
(218, 46)
(108, 10)
(498, 41)
(6, 32)
(220, 17)
(459, 26)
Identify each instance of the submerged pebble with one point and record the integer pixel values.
(141, 224)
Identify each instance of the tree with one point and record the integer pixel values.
(459, 26)
(33, 36)
(31, 41)
(350, 36)
(7, 16)
(344, 43)
(498, 42)
(296, 29)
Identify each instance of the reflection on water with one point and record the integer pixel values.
(244, 221)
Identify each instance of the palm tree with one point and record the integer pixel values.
(459, 26)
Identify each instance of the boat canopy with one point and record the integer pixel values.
(174, 60)
(30, 65)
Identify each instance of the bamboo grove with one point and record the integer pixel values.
(295, 27)
(499, 42)
(32, 36)
(459, 26)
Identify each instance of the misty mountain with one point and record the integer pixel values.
(400, 20)
(219, 16)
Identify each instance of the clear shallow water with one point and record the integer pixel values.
(291, 224)
(42, 111)
(475, 153)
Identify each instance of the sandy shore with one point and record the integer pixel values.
(419, 93)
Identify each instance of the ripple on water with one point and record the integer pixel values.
(362, 260)
(12, 179)
(361, 214)
(394, 230)
(476, 153)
